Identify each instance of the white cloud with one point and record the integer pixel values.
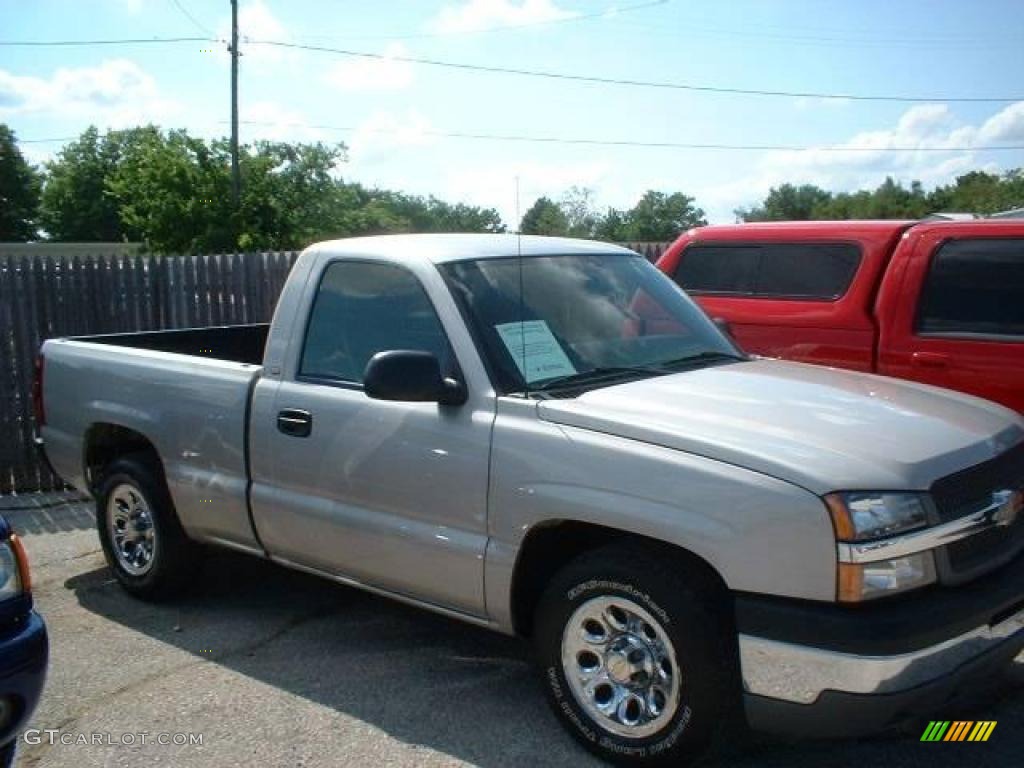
(114, 94)
(868, 157)
(1004, 126)
(387, 74)
(383, 132)
(480, 15)
(270, 121)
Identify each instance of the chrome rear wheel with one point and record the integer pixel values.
(130, 527)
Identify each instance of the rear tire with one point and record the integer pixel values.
(142, 539)
(637, 662)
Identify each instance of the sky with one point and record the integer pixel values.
(389, 112)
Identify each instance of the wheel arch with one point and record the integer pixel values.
(550, 545)
(105, 442)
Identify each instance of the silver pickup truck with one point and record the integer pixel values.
(548, 438)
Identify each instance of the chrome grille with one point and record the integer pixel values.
(971, 489)
(968, 491)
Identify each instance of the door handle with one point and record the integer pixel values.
(292, 421)
(930, 360)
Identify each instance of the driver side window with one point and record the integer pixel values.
(362, 308)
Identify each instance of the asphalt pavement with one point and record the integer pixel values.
(270, 667)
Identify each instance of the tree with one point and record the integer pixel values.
(614, 225)
(76, 203)
(289, 196)
(581, 218)
(787, 203)
(19, 191)
(544, 218)
(175, 191)
(661, 217)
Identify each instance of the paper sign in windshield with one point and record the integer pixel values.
(543, 355)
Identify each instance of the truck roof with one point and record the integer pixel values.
(876, 227)
(824, 227)
(442, 248)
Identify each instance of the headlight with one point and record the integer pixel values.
(882, 578)
(863, 516)
(13, 569)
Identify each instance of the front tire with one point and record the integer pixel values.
(636, 661)
(142, 539)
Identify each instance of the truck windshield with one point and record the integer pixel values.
(581, 321)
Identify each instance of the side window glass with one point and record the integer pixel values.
(362, 308)
(819, 271)
(718, 269)
(975, 286)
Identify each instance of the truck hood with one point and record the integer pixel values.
(820, 428)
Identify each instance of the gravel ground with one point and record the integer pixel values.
(277, 668)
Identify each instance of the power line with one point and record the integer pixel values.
(646, 144)
(611, 142)
(550, 75)
(546, 74)
(48, 141)
(198, 25)
(124, 41)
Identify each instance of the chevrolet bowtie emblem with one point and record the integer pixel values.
(1008, 505)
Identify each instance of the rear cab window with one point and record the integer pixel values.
(803, 271)
(974, 288)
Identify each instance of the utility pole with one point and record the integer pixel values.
(236, 181)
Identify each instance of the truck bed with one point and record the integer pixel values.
(185, 392)
(237, 343)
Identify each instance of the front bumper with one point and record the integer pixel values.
(827, 670)
(24, 653)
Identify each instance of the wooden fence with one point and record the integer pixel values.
(52, 296)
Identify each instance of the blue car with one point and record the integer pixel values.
(24, 648)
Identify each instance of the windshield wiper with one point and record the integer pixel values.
(701, 357)
(596, 375)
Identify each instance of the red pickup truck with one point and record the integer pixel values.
(940, 302)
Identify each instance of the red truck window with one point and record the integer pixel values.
(806, 271)
(975, 286)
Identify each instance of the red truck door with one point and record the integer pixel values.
(951, 309)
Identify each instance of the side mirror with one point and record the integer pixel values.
(410, 376)
(723, 325)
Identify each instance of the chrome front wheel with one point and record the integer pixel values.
(621, 666)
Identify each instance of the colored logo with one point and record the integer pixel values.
(959, 730)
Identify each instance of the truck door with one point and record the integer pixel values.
(957, 318)
(390, 494)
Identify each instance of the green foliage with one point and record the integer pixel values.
(578, 206)
(76, 204)
(660, 217)
(787, 203)
(545, 217)
(975, 192)
(657, 216)
(19, 191)
(172, 191)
